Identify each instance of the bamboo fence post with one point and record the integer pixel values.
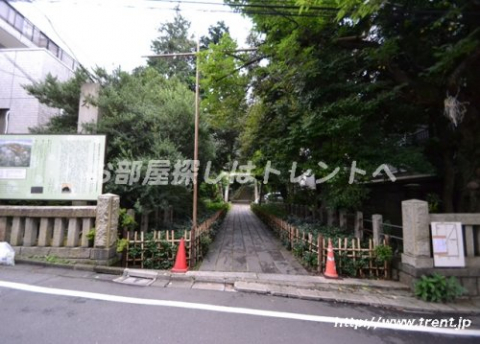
(135, 259)
(354, 251)
(126, 253)
(359, 245)
(142, 250)
(370, 245)
(310, 239)
(386, 264)
(320, 252)
(324, 244)
(189, 244)
(340, 252)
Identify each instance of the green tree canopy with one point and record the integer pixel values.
(175, 38)
(224, 86)
(145, 117)
(350, 80)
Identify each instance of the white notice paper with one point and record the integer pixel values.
(13, 173)
(447, 243)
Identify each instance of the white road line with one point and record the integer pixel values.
(235, 310)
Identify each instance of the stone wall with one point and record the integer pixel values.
(417, 258)
(62, 232)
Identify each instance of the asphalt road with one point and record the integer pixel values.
(31, 317)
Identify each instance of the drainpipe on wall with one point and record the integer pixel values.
(7, 120)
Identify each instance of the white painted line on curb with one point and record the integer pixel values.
(235, 310)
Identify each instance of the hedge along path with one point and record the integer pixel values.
(137, 243)
(351, 252)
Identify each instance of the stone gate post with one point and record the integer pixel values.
(106, 227)
(416, 234)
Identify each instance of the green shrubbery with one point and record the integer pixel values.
(438, 288)
(205, 242)
(216, 205)
(346, 265)
(383, 253)
(156, 255)
(126, 221)
(273, 209)
(161, 254)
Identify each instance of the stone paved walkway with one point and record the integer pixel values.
(244, 244)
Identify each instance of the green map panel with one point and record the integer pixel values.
(51, 167)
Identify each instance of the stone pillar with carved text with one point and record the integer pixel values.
(106, 227)
(416, 234)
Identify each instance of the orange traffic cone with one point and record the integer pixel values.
(181, 259)
(330, 269)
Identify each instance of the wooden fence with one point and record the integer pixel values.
(158, 248)
(143, 246)
(373, 227)
(351, 253)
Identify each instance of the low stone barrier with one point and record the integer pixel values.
(62, 231)
(417, 257)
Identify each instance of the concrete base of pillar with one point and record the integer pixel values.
(418, 262)
(469, 278)
(94, 256)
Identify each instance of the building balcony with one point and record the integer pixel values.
(16, 31)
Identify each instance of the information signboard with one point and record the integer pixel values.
(447, 243)
(51, 167)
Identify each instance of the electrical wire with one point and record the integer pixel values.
(254, 5)
(56, 32)
(266, 10)
(71, 51)
(272, 5)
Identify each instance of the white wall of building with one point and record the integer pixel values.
(20, 67)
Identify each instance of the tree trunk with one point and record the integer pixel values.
(448, 181)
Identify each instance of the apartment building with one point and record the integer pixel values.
(27, 55)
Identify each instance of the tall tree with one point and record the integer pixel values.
(62, 96)
(145, 117)
(350, 80)
(224, 85)
(215, 34)
(175, 38)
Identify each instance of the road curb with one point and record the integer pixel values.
(401, 304)
(300, 287)
(79, 267)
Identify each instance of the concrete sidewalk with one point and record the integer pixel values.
(376, 293)
(244, 244)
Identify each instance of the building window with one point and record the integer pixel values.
(3, 121)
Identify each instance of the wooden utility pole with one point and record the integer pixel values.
(193, 237)
(195, 150)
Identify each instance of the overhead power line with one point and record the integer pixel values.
(248, 9)
(268, 5)
(273, 8)
(56, 32)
